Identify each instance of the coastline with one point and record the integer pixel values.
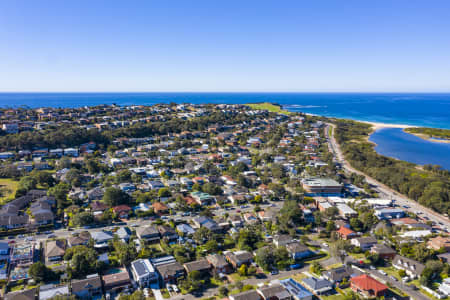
(428, 138)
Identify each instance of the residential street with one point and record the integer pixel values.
(385, 191)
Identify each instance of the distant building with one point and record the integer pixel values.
(322, 187)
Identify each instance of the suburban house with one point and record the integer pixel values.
(170, 272)
(80, 239)
(206, 222)
(412, 268)
(317, 285)
(50, 291)
(383, 251)
(87, 288)
(346, 233)
(238, 258)
(365, 243)
(101, 238)
(298, 291)
(274, 291)
(219, 263)
(143, 272)
(167, 233)
(247, 295)
(160, 208)
(368, 286)
(148, 233)
(201, 265)
(122, 211)
(337, 274)
(203, 198)
(439, 242)
(282, 240)
(116, 282)
(298, 251)
(55, 250)
(22, 295)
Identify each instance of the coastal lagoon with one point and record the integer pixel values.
(396, 143)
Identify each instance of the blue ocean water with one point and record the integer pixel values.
(396, 143)
(430, 110)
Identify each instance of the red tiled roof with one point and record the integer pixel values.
(157, 206)
(366, 283)
(120, 208)
(345, 231)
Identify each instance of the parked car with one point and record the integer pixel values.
(393, 278)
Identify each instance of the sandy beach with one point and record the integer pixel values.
(377, 126)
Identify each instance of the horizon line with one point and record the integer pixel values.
(224, 92)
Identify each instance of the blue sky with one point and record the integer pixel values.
(214, 45)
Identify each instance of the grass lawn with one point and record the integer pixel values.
(165, 293)
(236, 277)
(299, 276)
(333, 266)
(17, 288)
(8, 189)
(269, 106)
(391, 271)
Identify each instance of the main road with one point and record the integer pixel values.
(382, 189)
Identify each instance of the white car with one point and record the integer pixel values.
(382, 272)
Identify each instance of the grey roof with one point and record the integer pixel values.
(273, 291)
(217, 260)
(297, 247)
(382, 249)
(22, 295)
(337, 274)
(170, 269)
(408, 264)
(248, 295)
(142, 267)
(198, 265)
(93, 282)
(317, 284)
(147, 230)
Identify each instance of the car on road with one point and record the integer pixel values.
(274, 272)
(48, 232)
(372, 267)
(29, 238)
(382, 272)
(51, 236)
(406, 279)
(393, 278)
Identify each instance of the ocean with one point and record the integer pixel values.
(429, 110)
(423, 110)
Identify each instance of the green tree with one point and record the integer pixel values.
(60, 192)
(83, 219)
(114, 196)
(40, 273)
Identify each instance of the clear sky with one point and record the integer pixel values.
(225, 45)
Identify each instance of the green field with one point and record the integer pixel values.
(8, 189)
(269, 107)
